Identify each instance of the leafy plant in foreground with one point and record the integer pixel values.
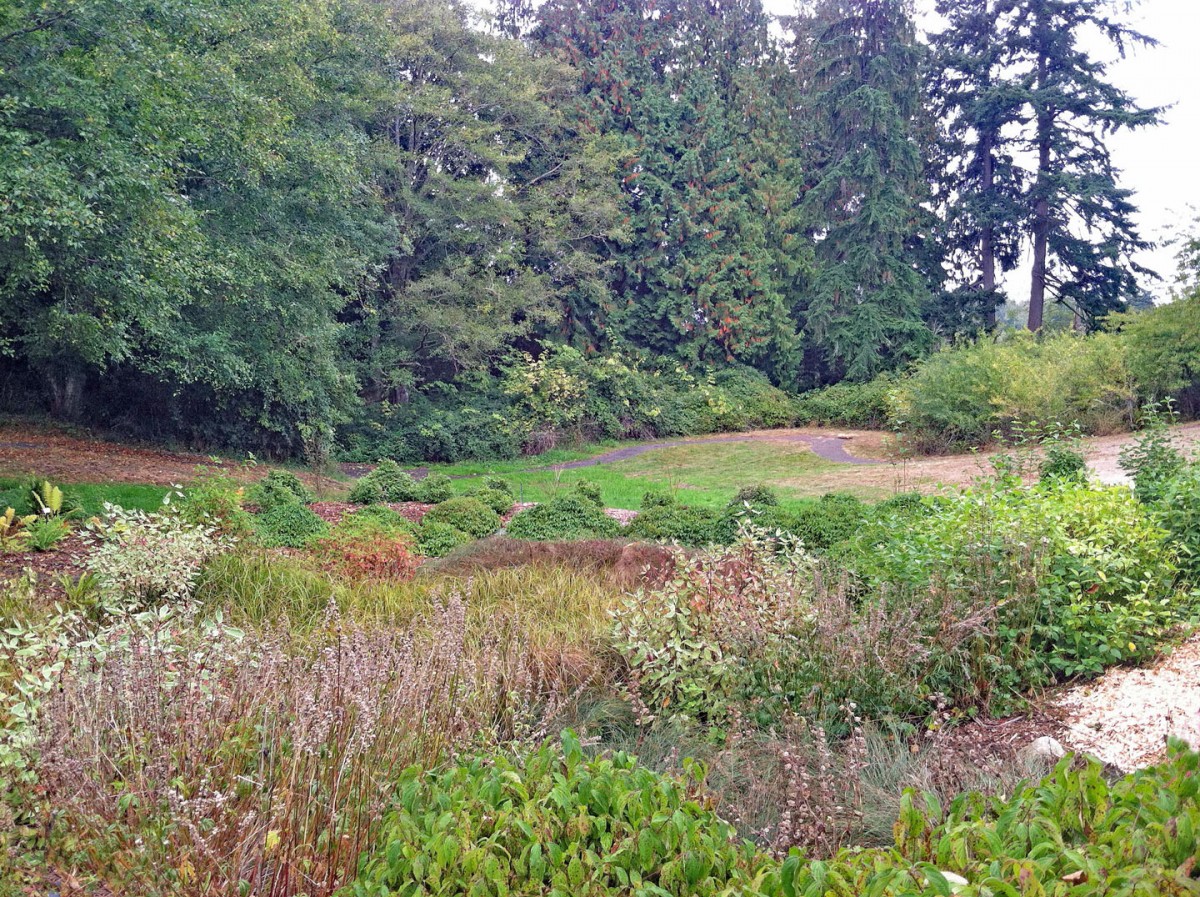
(468, 514)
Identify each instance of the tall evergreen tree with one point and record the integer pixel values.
(979, 185)
(1082, 219)
(860, 62)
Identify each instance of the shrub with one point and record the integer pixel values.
(758, 496)
(567, 516)
(863, 405)
(500, 502)
(437, 540)
(902, 503)
(434, 488)
(214, 499)
(465, 513)
(1063, 463)
(289, 526)
(362, 557)
(590, 491)
(965, 394)
(657, 498)
(1179, 514)
(387, 482)
(824, 523)
(267, 495)
(376, 519)
(1102, 568)
(285, 479)
(1153, 459)
(142, 559)
(1163, 345)
(497, 484)
(602, 827)
(675, 523)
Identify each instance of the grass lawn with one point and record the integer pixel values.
(704, 474)
(91, 496)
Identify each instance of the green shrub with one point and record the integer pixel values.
(824, 523)
(863, 405)
(674, 523)
(567, 516)
(214, 499)
(268, 494)
(498, 484)
(434, 488)
(387, 482)
(46, 531)
(657, 498)
(1063, 463)
(1163, 346)
(1073, 833)
(289, 481)
(467, 514)
(500, 502)
(1179, 513)
(965, 394)
(902, 503)
(556, 823)
(1153, 459)
(590, 491)
(757, 496)
(290, 525)
(437, 540)
(1101, 566)
(376, 519)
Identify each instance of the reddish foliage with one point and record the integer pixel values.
(368, 557)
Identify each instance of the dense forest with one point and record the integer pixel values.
(375, 225)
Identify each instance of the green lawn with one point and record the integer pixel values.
(90, 496)
(703, 474)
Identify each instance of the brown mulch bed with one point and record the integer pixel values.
(66, 559)
(333, 511)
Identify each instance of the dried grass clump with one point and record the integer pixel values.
(213, 763)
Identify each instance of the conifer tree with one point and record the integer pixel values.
(859, 64)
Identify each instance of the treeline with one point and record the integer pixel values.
(276, 225)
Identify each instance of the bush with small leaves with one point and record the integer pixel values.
(500, 502)
(590, 491)
(289, 526)
(465, 513)
(387, 482)
(436, 540)
(756, 496)
(376, 518)
(285, 479)
(498, 484)
(693, 527)
(434, 488)
(657, 498)
(567, 516)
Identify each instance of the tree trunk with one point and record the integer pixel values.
(66, 395)
(1041, 212)
(987, 243)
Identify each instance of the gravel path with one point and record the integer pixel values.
(1125, 716)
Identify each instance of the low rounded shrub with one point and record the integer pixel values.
(498, 484)
(569, 516)
(437, 540)
(467, 514)
(267, 494)
(367, 557)
(590, 491)
(289, 526)
(599, 827)
(434, 488)
(657, 498)
(376, 518)
(693, 527)
(758, 496)
(500, 502)
(287, 480)
(387, 482)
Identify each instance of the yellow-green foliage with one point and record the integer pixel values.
(14, 530)
(1164, 350)
(963, 394)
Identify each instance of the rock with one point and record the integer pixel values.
(1046, 749)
